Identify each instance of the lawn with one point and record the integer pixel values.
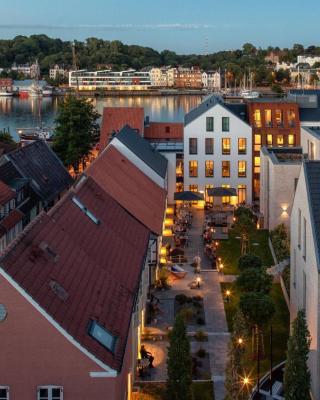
(280, 327)
(156, 391)
(229, 250)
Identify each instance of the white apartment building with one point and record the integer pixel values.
(211, 80)
(279, 172)
(311, 60)
(109, 80)
(57, 71)
(310, 141)
(305, 261)
(218, 151)
(162, 77)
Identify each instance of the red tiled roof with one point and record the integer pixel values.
(115, 118)
(97, 266)
(130, 187)
(12, 219)
(164, 131)
(6, 193)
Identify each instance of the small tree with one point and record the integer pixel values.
(74, 134)
(244, 225)
(297, 374)
(179, 363)
(249, 261)
(254, 280)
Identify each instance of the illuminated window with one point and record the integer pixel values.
(209, 146)
(242, 194)
(179, 168)
(242, 146)
(257, 118)
(291, 118)
(257, 142)
(225, 199)
(209, 168)
(226, 145)
(280, 140)
(193, 169)
(193, 146)
(225, 124)
(269, 140)
(291, 140)
(257, 165)
(179, 187)
(279, 118)
(209, 124)
(208, 199)
(193, 188)
(311, 150)
(268, 118)
(242, 169)
(226, 169)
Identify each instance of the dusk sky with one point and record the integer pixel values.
(185, 26)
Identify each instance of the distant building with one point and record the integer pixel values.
(188, 78)
(29, 70)
(6, 84)
(57, 71)
(272, 57)
(211, 80)
(284, 65)
(280, 169)
(109, 80)
(311, 60)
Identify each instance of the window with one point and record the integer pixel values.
(225, 124)
(225, 199)
(4, 392)
(242, 146)
(291, 118)
(209, 169)
(257, 142)
(226, 169)
(193, 146)
(85, 210)
(193, 188)
(102, 335)
(311, 151)
(279, 118)
(269, 140)
(167, 130)
(209, 146)
(208, 199)
(209, 124)
(193, 169)
(226, 146)
(179, 168)
(280, 141)
(50, 393)
(268, 118)
(299, 228)
(242, 194)
(242, 169)
(257, 165)
(304, 243)
(291, 140)
(257, 118)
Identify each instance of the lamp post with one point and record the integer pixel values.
(228, 293)
(198, 282)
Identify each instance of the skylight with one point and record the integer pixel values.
(84, 209)
(101, 335)
(59, 290)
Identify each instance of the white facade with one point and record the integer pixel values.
(284, 65)
(311, 60)
(162, 77)
(57, 71)
(310, 142)
(304, 276)
(211, 80)
(278, 180)
(238, 130)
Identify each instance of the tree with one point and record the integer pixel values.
(297, 374)
(249, 261)
(254, 280)
(258, 308)
(74, 134)
(179, 363)
(244, 225)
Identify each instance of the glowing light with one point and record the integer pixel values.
(221, 266)
(228, 293)
(163, 251)
(169, 210)
(167, 232)
(240, 341)
(168, 222)
(163, 260)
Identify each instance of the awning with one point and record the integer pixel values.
(188, 196)
(221, 192)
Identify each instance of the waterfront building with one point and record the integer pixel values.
(218, 150)
(211, 80)
(188, 78)
(29, 70)
(305, 59)
(57, 71)
(305, 261)
(109, 80)
(280, 169)
(275, 123)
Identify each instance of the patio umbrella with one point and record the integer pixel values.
(188, 196)
(221, 192)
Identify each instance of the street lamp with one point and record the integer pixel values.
(240, 341)
(228, 293)
(198, 282)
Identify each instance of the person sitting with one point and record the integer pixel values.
(146, 354)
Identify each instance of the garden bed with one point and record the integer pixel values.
(201, 365)
(191, 308)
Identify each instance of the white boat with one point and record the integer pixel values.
(249, 94)
(47, 91)
(6, 93)
(35, 90)
(28, 135)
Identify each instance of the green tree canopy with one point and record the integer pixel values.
(254, 280)
(249, 261)
(258, 308)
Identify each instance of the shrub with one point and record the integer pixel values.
(249, 261)
(201, 353)
(197, 298)
(197, 304)
(280, 242)
(187, 313)
(181, 298)
(254, 280)
(201, 336)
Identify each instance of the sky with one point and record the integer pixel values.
(184, 26)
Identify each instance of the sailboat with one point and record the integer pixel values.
(35, 89)
(249, 93)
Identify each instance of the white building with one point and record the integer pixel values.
(279, 172)
(109, 80)
(162, 77)
(218, 150)
(57, 71)
(284, 65)
(311, 60)
(310, 141)
(211, 80)
(305, 261)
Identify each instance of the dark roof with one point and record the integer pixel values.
(6, 193)
(188, 196)
(130, 187)
(142, 149)
(80, 271)
(239, 110)
(38, 162)
(309, 114)
(312, 176)
(313, 130)
(221, 192)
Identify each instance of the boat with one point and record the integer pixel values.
(47, 91)
(35, 90)
(6, 93)
(28, 135)
(249, 94)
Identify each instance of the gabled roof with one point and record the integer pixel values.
(6, 193)
(38, 162)
(142, 149)
(130, 187)
(312, 177)
(114, 118)
(79, 271)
